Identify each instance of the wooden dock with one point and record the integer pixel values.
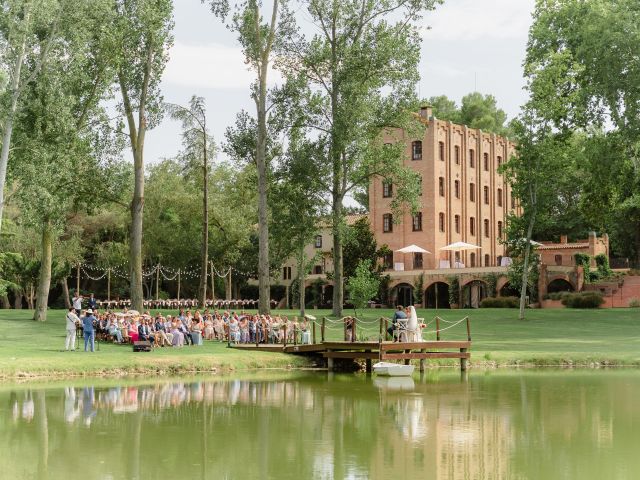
(379, 351)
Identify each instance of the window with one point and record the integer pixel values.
(317, 270)
(441, 186)
(318, 243)
(499, 197)
(486, 162)
(486, 195)
(558, 259)
(286, 273)
(472, 259)
(387, 260)
(417, 261)
(487, 260)
(457, 154)
(416, 150)
(387, 189)
(456, 188)
(472, 192)
(417, 222)
(499, 161)
(513, 201)
(441, 150)
(472, 226)
(499, 229)
(441, 221)
(499, 261)
(486, 228)
(456, 222)
(472, 159)
(387, 223)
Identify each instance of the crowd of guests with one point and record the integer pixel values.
(185, 328)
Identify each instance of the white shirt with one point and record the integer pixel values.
(72, 318)
(77, 303)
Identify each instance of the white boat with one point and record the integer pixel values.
(393, 369)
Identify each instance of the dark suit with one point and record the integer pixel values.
(144, 333)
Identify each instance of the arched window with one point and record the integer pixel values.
(486, 162)
(441, 186)
(441, 221)
(472, 226)
(441, 150)
(486, 195)
(472, 192)
(387, 189)
(456, 221)
(456, 188)
(417, 222)
(486, 228)
(487, 260)
(456, 150)
(472, 259)
(558, 259)
(472, 158)
(499, 197)
(499, 229)
(416, 150)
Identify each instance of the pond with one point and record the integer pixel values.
(578, 424)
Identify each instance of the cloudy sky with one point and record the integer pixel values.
(470, 45)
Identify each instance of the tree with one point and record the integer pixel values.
(582, 64)
(58, 155)
(23, 25)
(476, 111)
(363, 286)
(361, 71)
(198, 145)
(260, 41)
(142, 40)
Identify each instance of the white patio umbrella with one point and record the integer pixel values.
(459, 246)
(413, 249)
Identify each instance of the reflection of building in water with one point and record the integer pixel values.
(444, 434)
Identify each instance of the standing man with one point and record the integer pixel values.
(72, 322)
(77, 303)
(93, 303)
(89, 333)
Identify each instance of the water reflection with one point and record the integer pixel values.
(557, 425)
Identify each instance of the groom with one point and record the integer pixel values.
(399, 314)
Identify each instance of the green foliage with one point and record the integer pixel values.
(418, 294)
(476, 111)
(604, 269)
(363, 285)
(634, 303)
(582, 300)
(491, 279)
(454, 291)
(584, 260)
(500, 302)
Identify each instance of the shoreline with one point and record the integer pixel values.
(298, 364)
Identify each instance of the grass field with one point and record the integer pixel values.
(547, 337)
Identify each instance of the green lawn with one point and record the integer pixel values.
(547, 337)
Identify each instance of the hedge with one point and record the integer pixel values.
(500, 302)
(582, 300)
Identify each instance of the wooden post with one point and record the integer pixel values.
(108, 284)
(295, 334)
(344, 328)
(329, 363)
(463, 361)
(157, 282)
(437, 328)
(78, 280)
(468, 330)
(381, 326)
(354, 320)
(178, 284)
(386, 328)
(422, 361)
(322, 328)
(406, 360)
(367, 363)
(257, 334)
(284, 336)
(314, 332)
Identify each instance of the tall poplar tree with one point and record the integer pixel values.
(142, 31)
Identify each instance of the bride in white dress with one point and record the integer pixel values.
(414, 333)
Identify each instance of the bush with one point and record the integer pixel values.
(500, 302)
(583, 300)
(557, 295)
(634, 303)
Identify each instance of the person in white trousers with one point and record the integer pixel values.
(72, 321)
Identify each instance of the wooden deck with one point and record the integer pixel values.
(369, 351)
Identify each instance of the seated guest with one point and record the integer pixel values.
(144, 332)
(113, 329)
(178, 336)
(208, 327)
(162, 337)
(188, 339)
(399, 314)
(305, 334)
(133, 329)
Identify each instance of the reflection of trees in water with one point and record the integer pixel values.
(312, 428)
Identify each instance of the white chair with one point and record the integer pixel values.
(401, 329)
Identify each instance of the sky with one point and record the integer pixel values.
(468, 45)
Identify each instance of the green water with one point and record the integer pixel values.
(497, 425)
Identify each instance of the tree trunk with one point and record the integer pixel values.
(8, 124)
(301, 276)
(338, 274)
(264, 287)
(65, 292)
(5, 302)
(17, 301)
(135, 240)
(204, 256)
(525, 270)
(44, 282)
